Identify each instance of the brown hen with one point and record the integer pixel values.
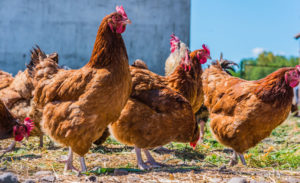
(78, 105)
(244, 112)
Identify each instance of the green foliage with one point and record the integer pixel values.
(263, 65)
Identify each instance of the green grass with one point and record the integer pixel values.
(279, 151)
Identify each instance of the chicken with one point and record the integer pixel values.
(17, 96)
(78, 105)
(11, 127)
(159, 110)
(244, 112)
(178, 50)
(153, 116)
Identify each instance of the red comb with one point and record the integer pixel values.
(174, 38)
(206, 48)
(121, 10)
(27, 119)
(174, 42)
(29, 124)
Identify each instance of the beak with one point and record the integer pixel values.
(208, 57)
(127, 21)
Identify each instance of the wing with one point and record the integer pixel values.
(66, 85)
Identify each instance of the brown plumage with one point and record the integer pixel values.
(140, 64)
(243, 112)
(77, 105)
(18, 95)
(154, 115)
(5, 79)
(7, 122)
(189, 83)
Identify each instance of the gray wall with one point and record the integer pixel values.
(69, 28)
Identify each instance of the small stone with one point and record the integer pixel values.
(48, 179)
(237, 180)
(222, 168)
(29, 181)
(215, 180)
(118, 172)
(133, 179)
(43, 173)
(92, 178)
(8, 178)
(3, 168)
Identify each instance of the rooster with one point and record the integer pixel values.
(244, 112)
(178, 50)
(10, 127)
(78, 105)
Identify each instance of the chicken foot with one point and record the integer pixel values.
(10, 148)
(151, 160)
(234, 159)
(141, 164)
(242, 159)
(69, 163)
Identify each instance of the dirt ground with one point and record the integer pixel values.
(208, 163)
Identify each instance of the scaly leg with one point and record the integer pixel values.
(202, 128)
(140, 161)
(234, 159)
(10, 148)
(242, 159)
(82, 164)
(41, 141)
(69, 162)
(151, 160)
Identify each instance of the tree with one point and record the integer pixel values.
(263, 65)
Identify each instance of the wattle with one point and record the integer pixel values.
(294, 83)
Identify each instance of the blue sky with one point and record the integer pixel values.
(242, 29)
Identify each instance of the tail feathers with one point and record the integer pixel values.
(140, 64)
(36, 55)
(225, 65)
(48, 67)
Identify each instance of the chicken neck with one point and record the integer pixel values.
(109, 48)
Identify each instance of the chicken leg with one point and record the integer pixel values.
(69, 162)
(234, 159)
(202, 128)
(82, 164)
(242, 159)
(10, 148)
(151, 160)
(140, 161)
(41, 141)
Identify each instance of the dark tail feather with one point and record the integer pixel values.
(36, 55)
(227, 65)
(103, 138)
(140, 64)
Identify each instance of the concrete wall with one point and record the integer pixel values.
(69, 28)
